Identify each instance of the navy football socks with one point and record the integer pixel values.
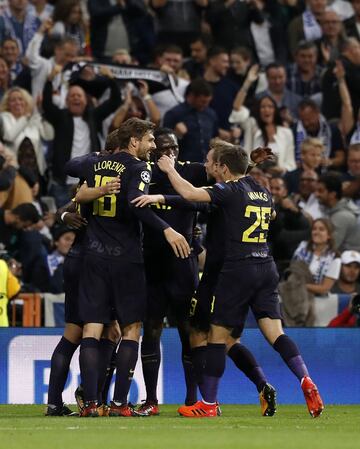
(291, 356)
(89, 367)
(106, 349)
(150, 358)
(126, 359)
(213, 371)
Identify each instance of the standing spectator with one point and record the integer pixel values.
(195, 65)
(351, 60)
(107, 26)
(19, 120)
(66, 50)
(19, 23)
(76, 129)
(194, 122)
(68, 21)
(11, 53)
(4, 77)
(42, 9)
(351, 179)
(170, 60)
(286, 100)
(303, 76)
(306, 26)
(178, 21)
(319, 253)
(342, 212)
(352, 25)
(306, 199)
(312, 123)
(224, 90)
(311, 156)
(329, 45)
(348, 282)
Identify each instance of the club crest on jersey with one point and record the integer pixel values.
(145, 176)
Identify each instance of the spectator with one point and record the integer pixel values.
(19, 23)
(7, 169)
(68, 21)
(194, 122)
(351, 179)
(352, 24)
(48, 273)
(76, 129)
(306, 26)
(4, 77)
(303, 76)
(306, 199)
(333, 35)
(195, 65)
(265, 129)
(19, 120)
(349, 317)
(312, 123)
(320, 254)
(291, 225)
(42, 9)
(311, 154)
(342, 213)
(9, 287)
(224, 90)
(65, 50)
(342, 8)
(286, 100)
(348, 282)
(178, 21)
(170, 60)
(11, 53)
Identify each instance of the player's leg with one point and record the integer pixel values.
(246, 362)
(60, 363)
(188, 367)
(151, 359)
(289, 352)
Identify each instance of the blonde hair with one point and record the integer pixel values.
(4, 105)
(311, 142)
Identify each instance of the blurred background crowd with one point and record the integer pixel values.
(278, 73)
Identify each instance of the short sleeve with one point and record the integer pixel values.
(219, 193)
(333, 272)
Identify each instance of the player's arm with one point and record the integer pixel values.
(183, 187)
(69, 216)
(87, 194)
(175, 201)
(140, 185)
(77, 166)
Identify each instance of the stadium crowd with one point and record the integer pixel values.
(282, 74)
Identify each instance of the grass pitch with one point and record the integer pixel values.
(241, 426)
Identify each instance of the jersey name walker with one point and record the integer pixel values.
(247, 208)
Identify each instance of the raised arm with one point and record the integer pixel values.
(347, 114)
(183, 187)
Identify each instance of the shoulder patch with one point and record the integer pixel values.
(145, 176)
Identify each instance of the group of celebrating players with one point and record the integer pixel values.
(135, 261)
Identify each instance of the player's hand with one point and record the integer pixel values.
(261, 154)
(74, 220)
(178, 243)
(166, 163)
(145, 200)
(112, 187)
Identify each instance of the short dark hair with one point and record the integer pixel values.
(244, 52)
(205, 39)
(216, 51)
(274, 65)
(162, 131)
(306, 45)
(233, 156)
(171, 48)
(133, 127)
(199, 87)
(332, 182)
(11, 39)
(112, 141)
(308, 103)
(26, 212)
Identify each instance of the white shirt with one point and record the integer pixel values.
(311, 207)
(81, 144)
(333, 270)
(263, 45)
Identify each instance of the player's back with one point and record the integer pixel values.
(113, 230)
(247, 210)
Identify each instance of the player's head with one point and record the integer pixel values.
(137, 137)
(112, 142)
(166, 143)
(231, 159)
(211, 164)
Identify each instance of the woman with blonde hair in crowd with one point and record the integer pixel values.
(18, 119)
(321, 257)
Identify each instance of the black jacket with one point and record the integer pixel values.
(63, 124)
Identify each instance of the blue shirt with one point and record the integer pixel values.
(201, 125)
